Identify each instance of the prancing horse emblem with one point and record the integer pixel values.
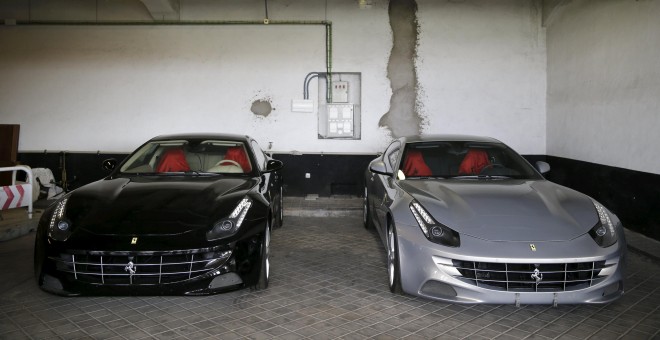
(532, 247)
(134, 240)
(131, 268)
(537, 275)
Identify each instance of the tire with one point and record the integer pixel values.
(264, 272)
(280, 213)
(366, 214)
(39, 259)
(393, 264)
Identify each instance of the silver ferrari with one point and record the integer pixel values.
(468, 220)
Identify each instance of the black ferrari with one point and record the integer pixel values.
(183, 214)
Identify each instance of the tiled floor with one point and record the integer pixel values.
(328, 281)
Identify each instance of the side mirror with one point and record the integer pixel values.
(542, 167)
(377, 166)
(109, 164)
(274, 165)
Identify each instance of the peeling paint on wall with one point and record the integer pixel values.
(403, 118)
(261, 107)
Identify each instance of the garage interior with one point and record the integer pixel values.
(571, 82)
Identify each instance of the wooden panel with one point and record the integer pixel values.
(8, 149)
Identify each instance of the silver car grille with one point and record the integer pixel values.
(139, 268)
(527, 277)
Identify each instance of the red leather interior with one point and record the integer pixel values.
(414, 165)
(237, 154)
(173, 160)
(475, 160)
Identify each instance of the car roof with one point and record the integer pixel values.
(221, 136)
(448, 137)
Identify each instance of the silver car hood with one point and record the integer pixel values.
(506, 210)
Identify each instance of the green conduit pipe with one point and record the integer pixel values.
(328, 62)
(327, 24)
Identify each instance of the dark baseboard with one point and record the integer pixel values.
(329, 174)
(633, 195)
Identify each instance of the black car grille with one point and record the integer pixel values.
(526, 277)
(139, 268)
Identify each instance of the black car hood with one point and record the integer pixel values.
(154, 205)
(506, 210)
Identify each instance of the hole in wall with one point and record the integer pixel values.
(261, 107)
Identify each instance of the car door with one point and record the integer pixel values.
(383, 185)
(271, 182)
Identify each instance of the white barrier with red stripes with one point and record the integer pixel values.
(17, 195)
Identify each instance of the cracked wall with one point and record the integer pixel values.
(472, 67)
(403, 117)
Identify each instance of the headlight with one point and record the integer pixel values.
(603, 232)
(59, 228)
(229, 226)
(433, 230)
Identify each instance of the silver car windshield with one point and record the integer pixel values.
(464, 159)
(189, 157)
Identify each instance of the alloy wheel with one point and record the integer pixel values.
(267, 252)
(391, 255)
(365, 204)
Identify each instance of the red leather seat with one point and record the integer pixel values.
(414, 165)
(173, 160)
(237, 154)
(475, 160)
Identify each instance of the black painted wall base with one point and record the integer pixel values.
(634, 196)
(328, 174)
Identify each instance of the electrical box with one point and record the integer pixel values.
(339, 106)
(340, 92)
(340, 120)
(302, 105)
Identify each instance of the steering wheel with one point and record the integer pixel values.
(491, 166)
(230, 162)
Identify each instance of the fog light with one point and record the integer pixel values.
(438, 289)
(601, 231)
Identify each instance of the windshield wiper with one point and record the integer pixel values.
(138, 173)
(201, 173)
(173, 173)
(481, 177)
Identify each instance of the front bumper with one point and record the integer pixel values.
(480, 271)
(199, 271)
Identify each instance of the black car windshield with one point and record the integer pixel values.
(193, 157)
(463, 159)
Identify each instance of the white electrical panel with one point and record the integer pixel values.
(340, 120)
(339, 105)
(340, 92)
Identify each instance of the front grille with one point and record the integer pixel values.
(139, 268)
(527, 277)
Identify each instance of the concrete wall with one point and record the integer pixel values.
(482, 70)
(604, 83)
(479, 64)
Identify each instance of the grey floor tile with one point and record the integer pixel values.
(334, 289)
(17, 334)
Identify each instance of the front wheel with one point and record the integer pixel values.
(393, 265)
(280, 213)
(39, 259)
(366, 214)
(264, 273)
